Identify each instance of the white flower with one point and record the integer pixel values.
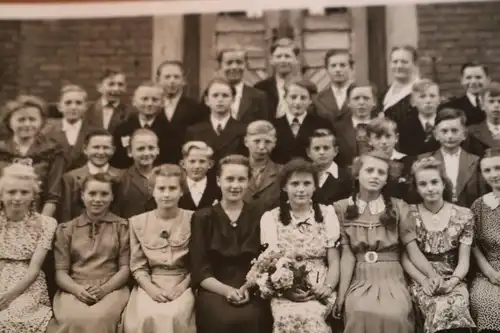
(282, 278)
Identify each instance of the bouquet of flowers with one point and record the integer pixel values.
(274, 272)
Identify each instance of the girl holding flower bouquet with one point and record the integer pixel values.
(305, 232)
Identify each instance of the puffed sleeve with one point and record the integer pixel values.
(49, 226)
(54, 178)
(268, 232)
(124, 239)
(407, 223)
(467, 235)
(138, 260)
(332, 227)
(201, 267)
(339, 212)
(62, 256)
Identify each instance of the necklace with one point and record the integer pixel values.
(435, 216)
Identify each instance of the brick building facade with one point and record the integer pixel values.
(39, 56)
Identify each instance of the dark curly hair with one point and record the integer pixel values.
(297, 165)
(389, 217)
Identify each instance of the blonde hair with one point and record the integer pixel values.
(20, 171)
(198, 145)
(73, 88)
(420, 86)
(168, 171)
(261, 127)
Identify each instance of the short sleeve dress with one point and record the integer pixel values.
(31, 311)
(378, 300)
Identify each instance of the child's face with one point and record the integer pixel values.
(491, 106)
(430, 185)
(321, 151)
(490, 169)
(233, 181)
(450, 133)
(300, 188)
(284, 60)
(196, 164)
(219, 98)
(426, 101)
(474, 79)
(384, 141)
(144, 149)
(97, 197)
(167, 191)
(260, 146)
(73, 105)
(361, 101)
(113, 87)
(373, 174)
(148, 100)
(99, 150)
(233, 64)
(171, 79)
(26, 122)
(339, 68)
(298, 100)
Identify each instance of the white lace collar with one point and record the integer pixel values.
(375, 207)
(491, 200)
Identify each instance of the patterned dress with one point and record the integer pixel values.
(310, 240)
(377, 300)
(443, 312)
(484, 295)
(31, 311)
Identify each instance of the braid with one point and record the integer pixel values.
(389, 217)
(285, 217)
(318, 214)
(351, 211)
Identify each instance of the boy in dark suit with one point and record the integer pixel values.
(263, 190)
(249, 103)
(110, 110)
(221, 132)
(71, 129)
(475, 77)
(148, 101)
(202, 191)
(487, 132)
(98, 148)
(461, 167)
(331, 103)
(296, 126)
(284, 60)
(334, 183)
(351, 132)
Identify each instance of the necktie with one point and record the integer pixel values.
(219, 129)
(478, 102)
(282, 107)
(147, 126)
(295, 126)
(361, 131)
(110, 105)
(428, 130)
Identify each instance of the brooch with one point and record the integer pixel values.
(164, 234)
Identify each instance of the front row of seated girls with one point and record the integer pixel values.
(190, 267)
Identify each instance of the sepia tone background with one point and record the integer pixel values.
(39, 56)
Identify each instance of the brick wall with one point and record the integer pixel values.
(52, 53)
(456, 33)
(9, 50)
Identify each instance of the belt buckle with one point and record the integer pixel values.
(371, 257)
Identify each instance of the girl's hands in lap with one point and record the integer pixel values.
(158, 295)
(84, 296)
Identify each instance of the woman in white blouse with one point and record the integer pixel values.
(310, 231)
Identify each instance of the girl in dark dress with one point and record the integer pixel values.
(224, 240)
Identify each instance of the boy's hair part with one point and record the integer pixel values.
(322, 133)
(96, 132)
(197, 145)
(450, 114)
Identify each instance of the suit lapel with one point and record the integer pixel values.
(227, 135)
(350, 134)
(97, 114)
(483, 134)
(138, 180)
(267, 179)
(77, 149)
(245, 102)
(117, 117)
(179, 111)
(465, 170)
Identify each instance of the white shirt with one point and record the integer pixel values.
(332, 170)
(144, 122)
(94, 170)
(235, 107)
(451, 165)
(71, 130)
(196, 189)
(491, 200)
(300, 118)
(340, 95)
(170, 105)
(396, 155)
(282, 106)
(375, 207)
(221, 122)
(423, 121)
(494, 129)
(472, 99)
(107, 113)
(357, 121)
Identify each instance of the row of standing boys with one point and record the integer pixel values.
(279, 119)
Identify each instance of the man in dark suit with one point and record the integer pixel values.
(475, 77)
(148, 99)
(285, 63)
(249, 104)
(109, 111)
(331, 103)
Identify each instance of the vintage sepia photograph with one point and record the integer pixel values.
(213, 167)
